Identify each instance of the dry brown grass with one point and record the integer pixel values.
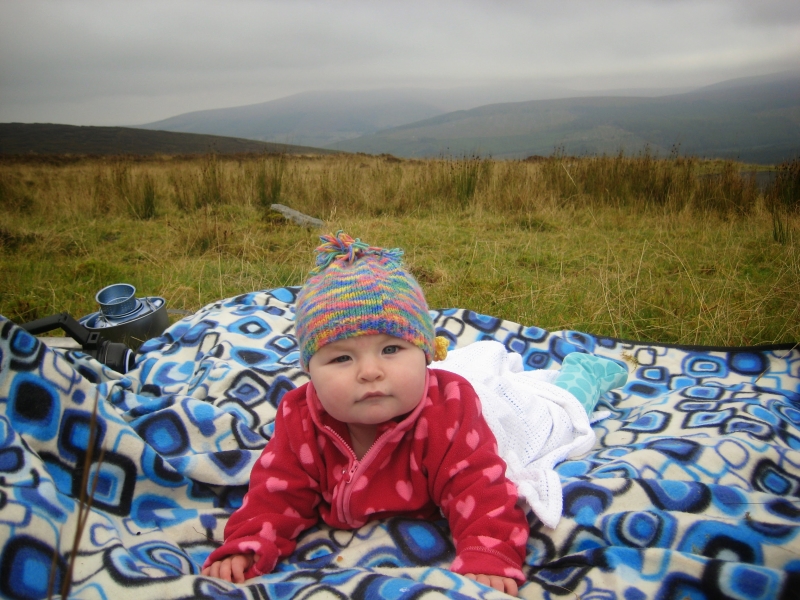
(676, 250)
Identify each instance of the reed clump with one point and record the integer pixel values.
(785, 188)
(645, 182)
(783, 200)
(678, 250)
(269, 180)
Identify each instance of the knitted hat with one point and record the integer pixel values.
(357, 289)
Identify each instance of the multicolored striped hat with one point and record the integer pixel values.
(358, 289)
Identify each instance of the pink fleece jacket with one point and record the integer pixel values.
(441, 455)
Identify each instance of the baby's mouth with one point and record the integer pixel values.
(371, 395)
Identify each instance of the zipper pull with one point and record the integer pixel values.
(352, 471)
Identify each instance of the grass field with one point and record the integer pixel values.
(675, 250)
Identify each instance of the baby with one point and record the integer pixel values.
(376, 433)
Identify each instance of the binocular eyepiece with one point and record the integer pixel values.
(115, 355)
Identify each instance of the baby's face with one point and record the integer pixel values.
(369, 379)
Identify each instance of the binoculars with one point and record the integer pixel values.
(116, 331)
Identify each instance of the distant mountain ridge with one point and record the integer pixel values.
(313, 118)
(755, 119)
(752, 119)
(49, 138)
(324, 118)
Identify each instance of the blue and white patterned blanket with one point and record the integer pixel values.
(692, 490)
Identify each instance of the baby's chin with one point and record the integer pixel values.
(377, 414)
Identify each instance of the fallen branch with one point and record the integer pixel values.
(296, 216)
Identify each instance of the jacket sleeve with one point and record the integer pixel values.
(281, 501)
(469, 484)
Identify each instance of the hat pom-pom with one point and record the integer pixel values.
(440, 345)
(343, 247)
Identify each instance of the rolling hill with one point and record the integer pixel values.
(753, 119)
(48, 138)
(314, 118)
(323, 118)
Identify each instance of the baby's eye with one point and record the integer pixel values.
(341, 359)
(391, 349)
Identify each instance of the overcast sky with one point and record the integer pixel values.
(117, 63)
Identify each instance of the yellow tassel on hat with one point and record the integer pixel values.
(440, 347)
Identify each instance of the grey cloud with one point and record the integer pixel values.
(127, 62)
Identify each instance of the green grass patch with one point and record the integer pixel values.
(674, 250)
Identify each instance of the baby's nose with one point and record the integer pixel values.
(369, 370)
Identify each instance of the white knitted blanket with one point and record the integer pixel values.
(537, 424)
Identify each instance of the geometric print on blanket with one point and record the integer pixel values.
(692, 488)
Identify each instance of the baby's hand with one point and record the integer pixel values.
(231, 568)
(504, 584)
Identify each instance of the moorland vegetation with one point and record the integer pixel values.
(674, 250)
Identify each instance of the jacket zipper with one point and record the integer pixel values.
(343, 501)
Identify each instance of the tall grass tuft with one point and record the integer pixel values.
(783, 199)
(467, 172)
(785, 189)
(643, 182)
(621, 181)
(209, 190)
(781, 228)
(183, 191)
(388, 178)
(121, 180)
(269, 180)
(727, 192)
(143, 202)
(103, 197)
(13, 193)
